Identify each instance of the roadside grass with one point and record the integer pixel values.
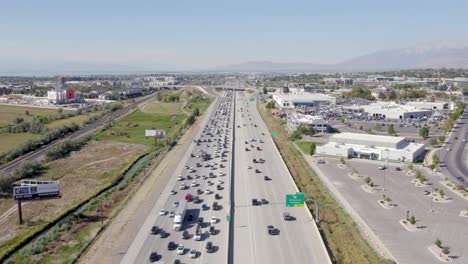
(304, 146)
(157, 107)
(200, 103)
(341, 236)
(81, 175)
(79, 119)
(9, 113)
(137, 122)
(9, 141)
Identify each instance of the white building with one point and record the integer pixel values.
(389, 110)
(429, 105)
(373, 147)
(292, 100)
(295, 120)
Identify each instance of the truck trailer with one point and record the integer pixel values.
(180, 215)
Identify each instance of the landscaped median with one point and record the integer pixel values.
(339, 232)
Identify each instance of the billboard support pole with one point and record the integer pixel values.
(20, 213)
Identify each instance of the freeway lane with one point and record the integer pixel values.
(146, 243)
(298, 241)
(453, 162)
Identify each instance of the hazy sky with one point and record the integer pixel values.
(199, 33)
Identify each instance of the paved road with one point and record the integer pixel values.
(40, 154)
(146, 243)
(298, 241)
(454, 162)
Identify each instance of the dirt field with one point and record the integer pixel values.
(80, 175)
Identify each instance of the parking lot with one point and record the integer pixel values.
(436, 218)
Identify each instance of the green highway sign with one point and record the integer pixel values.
(252, 99)
(228, 218)
(274, 134)
(295, 200)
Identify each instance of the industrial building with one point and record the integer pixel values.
(293, 100)
(295, 120)
(373, 147)
(429, 105)
(389, 110)
(61, 95)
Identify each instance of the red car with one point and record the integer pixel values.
(188, 197)
(258, 148)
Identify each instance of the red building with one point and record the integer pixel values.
(70, 94)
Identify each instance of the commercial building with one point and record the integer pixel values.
(60, 95)
(389, 110)
(429, 105)
(293, 100)
(373, 147)
(295, 120)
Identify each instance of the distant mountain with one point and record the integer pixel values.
(436, 56)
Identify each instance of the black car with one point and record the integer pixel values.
(215, 205)
(163, 234)
(154, 230)
(171, 245)
(185, 235)
(212, 230)
(255, 202)
(264, 201)
(271, 230)
(154, 256)
(190, 218)
(209, 247)
(266, 178)
(257, 171)
(219, 187)
(200, 221)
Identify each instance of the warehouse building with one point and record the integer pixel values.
(428, 105)
(373, 147)
(295, 120)
(389, 110)
(293, 100)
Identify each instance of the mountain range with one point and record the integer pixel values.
(429, 56)
(435, 56)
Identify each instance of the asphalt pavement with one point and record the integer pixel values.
(296, 241)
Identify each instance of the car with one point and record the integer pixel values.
(266, 178)
(153, 256)
(220, 181)
(287, 216)
(193, 253)
(155, 230)
(194, 184)
(212, 230)
(209, 247)
(209, 183)
(257, 171)
(171, 245)
(199, 191)
(464, 140)
(219, 187)
(182, 187)
(171, 214)
(185, 235)
(249, 167)
(271, 230)
(255, 201)
(162, 212)
(204, 207)
(217, 196)
(264, 201)
(214, 220)
(449, 149)
(176, 204)
(197, 236)
(177, 261)
(398, 169)
(180, 250)
(180, 178)
(173, 192)
(207, 191)
(163, 234)
(382, 167)
(320, 161)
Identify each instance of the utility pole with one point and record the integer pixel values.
(20, 213)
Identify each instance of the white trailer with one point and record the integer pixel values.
(180, 215)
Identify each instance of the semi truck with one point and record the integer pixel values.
(180, 215)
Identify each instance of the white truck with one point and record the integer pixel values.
(180, 215)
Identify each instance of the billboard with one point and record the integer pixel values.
(36, 191)
(155, 133)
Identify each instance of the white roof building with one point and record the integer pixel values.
(374, 147)
(295, 120)
(292, 100)
(390, 110)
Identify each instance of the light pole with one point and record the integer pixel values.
(384, 173)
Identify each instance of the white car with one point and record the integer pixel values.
(221, 173)
(180, 178)
(180, 249)
(172, 214)
(162, 212)
(197, 236)
(182, 187)
(220, 181)
(214, 220)
(249, 167)
(176, 204)
(207, 191)
(194, 184)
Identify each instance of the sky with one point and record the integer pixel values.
(204, 34)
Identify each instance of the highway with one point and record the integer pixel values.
(39, 154)
(454, 161)
(296, 241)
(217, 134)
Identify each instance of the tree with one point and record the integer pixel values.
(424, 132)
(342, 160)
(18, 120)
(377, 127)
(367, 179)
(412, 220)
(26, 112)
(435, 160)
(60, 110)
(313, 147)
(438, 243)
(446, 250)
(391, 130)
(196, 111)
(433, 142)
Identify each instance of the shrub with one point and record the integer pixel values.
(367, 179)
(412, 220)
(438, 243)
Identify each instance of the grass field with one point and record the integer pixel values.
(80, 119)
(9, 141)
(9, 113)
(156, 107)
(137, 122)
(81, 175)
(201, 104)
(304, 146)
(339, 231)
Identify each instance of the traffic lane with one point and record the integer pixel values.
(167, 225)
